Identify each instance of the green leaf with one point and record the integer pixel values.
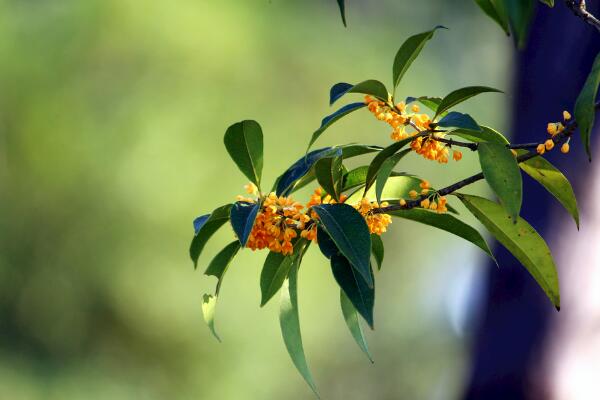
(329, 172)
(377, 249)
(350, 233)
(331, 119)
(520, 13)
(290, 325)
(455, 119)
(242, 217)
(386, 170)
(205, 227)
(351, 318)
(447, 223)
(371, 87)
(326, 244)
(396, 187)
(549, 3)
(380, 158)
(520, 239)
(501, 172)
(460, 95)
(585, 107)
(342, 11)
(244, 143)
(554, 181)
(495, 10)
(275, 270)
(209, 303)
(355, 177)
(408, 52)
(430, 102)
(217, 268)
(486, 134)
(359, 293)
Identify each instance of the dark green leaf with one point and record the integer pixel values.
(205, 227)
(585, 107)
(380, 158)
(353, 150)
(338, 90)
(460, 95)
(520, 13)
(408, 52)
(329, 171)
(486, 134)
(290, 324)
(242, 217)
(330, 119)
(455, 119)
(430, 102)
(495, 10)
(377, 249)
(342, 11)
(350, 233)
(447, 223)
(386, 170)
(520, 239)
(549, 3)
(351, 318)
(360, 294)
(501, 172)
(276, 269)
(244, 143)
(326, 244)
(299, 169)
(370, 87)
(554, 181)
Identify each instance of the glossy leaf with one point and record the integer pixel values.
(275, 269)
(351, 318)
(204, 227)
(329, 172)
(342, 7)
(361, 295)
(371, 87)
(338, 90)
(460, 95)
(386, 170)
(447, 223)
(290, 325)
(455, 119)
(244, 143)
(495, 10)
(585, 107)
(486, 134)
(554, 181)
(355, 177)
(380, 159)
(520, 239)
(501, 172)
(331, 119)
(297, 170)
(326, 244)
(408, 52)
(377, 249)
(350, 234)
(242, 217)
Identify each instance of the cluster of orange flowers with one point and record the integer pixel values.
(434, 202)
(553, 129)
(281, 219)
(399, 119)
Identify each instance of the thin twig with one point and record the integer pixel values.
(579, 9)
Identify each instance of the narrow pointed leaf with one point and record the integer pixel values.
(353, 323)
(520, 239)
(486, 134)
(460, 95)
(209, 303)
(377, 249)
(380, 158)
(386, 170)
(342, 7)
(396, 188)
(495, 10)
(554, 181)
(275, 269)
(360, 294)
(244, 143)
(501, 172)
(520, 13)
(408, 52)
(549, 3)
(329, 171)
(454, 119)
(242, 217)
(290, 325)
(331, 119)
(430, 102)
(370, 87)
(585, 107)
(204, 227)
(350, 234)
(355, 177)
(447, 223)
(299, 169)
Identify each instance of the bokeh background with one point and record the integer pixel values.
(112, 114)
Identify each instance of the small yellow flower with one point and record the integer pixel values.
(541, 149)
(402, 202)
(425, 203)
(551, 128)
(549, 144)
(413, 194)
(456, 155)
(566, 115)
(564, 148)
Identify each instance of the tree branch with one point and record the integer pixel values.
(578, 7)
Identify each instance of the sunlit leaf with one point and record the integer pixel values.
(396, 188)
(242, 217)
(290, 325)
(350, 234)
(359, 293)
(486, 134)
(585, 107)
(455, 119)
(408, 52)
(549, 3)
(460, 95)
(204, 227)
(330, 119)
(244, 143)
(209, 303)
(447, 223)
(355, 177)
(353, 323)
(501, 172)
(520, 239)
(377, 249)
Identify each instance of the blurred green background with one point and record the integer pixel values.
(112, 114)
